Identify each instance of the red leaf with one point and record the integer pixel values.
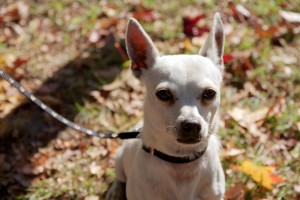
(276, 179)
(142, 13)
(20, 61)
(190, 27)
(193, 21)
(227, 58)
(247, 64)
(1, 19)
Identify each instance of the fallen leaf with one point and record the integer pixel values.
(7, 60)
(112, 86)
(266, 32)
(285, 58)
(291, 17)
(94, 37)
(20, 61)
(297, 189)
(107, 23)
(233, 152)
(187, 44)
(278, 107)
(242, 10)
(142, 13)
(250, 120)
(94, 168)
(30, 169)
(194, 20)
(227, 58)
(91, 197)
(249, 90)
(190, 27)
(298, 125)
(237, 192)
(239, 11)
(261, 174)
(16, 12)
(1, 19)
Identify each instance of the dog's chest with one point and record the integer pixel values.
(184, 172)
(177, 181)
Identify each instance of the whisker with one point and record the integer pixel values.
(210, 132)
(170, 127)
(209, 124)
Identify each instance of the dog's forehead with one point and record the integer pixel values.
(183, 68)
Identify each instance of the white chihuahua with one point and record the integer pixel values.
(176, 156)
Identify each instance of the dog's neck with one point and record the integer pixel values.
(173, 159)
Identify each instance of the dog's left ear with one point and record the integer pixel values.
(214, 45)
(140, 48)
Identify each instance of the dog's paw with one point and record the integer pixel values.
(116, 191)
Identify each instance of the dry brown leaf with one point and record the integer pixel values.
(237, 192)
(242, 10)
(94, 37)
(40, 159)
(16, 12)
(94, 168)
(298, 125)
(29, 169)
(233, 152)
(92, 197)
(245, 116)
(297, 189)
(249, 120)
(285, 58)
(112, 86)
(107, 23)
(289, 16)
(142, 13)
(278, 107)
(264, 32)
(249, 89)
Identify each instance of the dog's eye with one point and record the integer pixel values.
(164, 95)
(208, 94)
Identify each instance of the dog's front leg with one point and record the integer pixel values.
(117, 191)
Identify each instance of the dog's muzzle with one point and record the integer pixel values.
(189, 132)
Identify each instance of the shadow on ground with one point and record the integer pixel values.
(29, 129)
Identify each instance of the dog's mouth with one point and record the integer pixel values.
(189, 140)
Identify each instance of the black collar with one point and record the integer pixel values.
(173, 159)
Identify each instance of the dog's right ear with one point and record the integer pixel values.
(140, 48)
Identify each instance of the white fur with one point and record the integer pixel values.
(187, 76)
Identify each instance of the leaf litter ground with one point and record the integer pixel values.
(71, 54)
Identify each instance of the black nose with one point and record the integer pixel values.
(191, 127)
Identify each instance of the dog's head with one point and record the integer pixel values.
(182, 91)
